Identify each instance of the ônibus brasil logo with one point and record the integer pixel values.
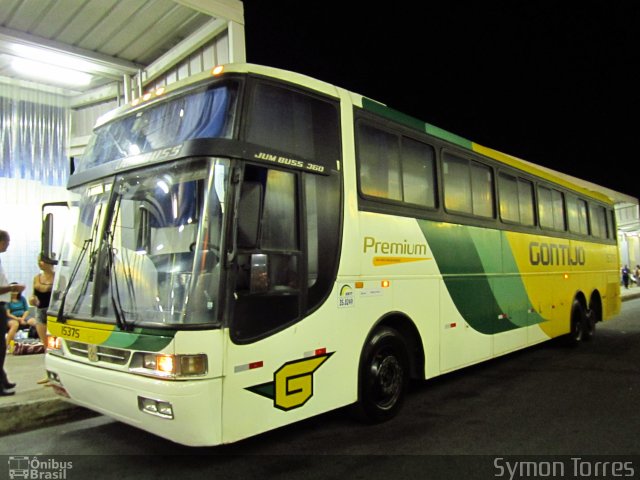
(38, 468)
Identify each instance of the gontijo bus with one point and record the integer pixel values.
(255, 247)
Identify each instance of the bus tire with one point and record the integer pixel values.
(383, 376)
(589, 326)
(578, 324)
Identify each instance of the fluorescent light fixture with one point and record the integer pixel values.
(51, 57)
(50, 73)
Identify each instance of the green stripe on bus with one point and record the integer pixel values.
(484, 285)
(451, 137)
(507, 285)
(414, 123)
(145, 340)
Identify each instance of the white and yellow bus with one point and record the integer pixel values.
(256, 247)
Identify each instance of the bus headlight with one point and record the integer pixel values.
(168, 365)
(162, 363)
(54, 343)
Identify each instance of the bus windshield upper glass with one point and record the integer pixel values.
(208, 113)
(153, 258)
(147, 245)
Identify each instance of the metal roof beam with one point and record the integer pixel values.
(182, 50)
(232, 10)
(97, 95)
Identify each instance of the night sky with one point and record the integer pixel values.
(556, 83)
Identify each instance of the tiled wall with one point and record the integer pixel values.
(20, 215)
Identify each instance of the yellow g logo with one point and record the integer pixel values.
(292, 383)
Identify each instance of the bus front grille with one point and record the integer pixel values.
(99, 353)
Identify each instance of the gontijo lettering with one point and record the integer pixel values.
(371, 245)
(556, 254)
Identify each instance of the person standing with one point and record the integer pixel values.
(42, 286)
(5, 296)
(625, 276)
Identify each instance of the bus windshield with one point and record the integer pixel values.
(208, 113)
(148, 247)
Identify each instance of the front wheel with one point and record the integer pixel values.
(383, 376)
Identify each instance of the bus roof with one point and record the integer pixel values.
(374, 107)
(201, 78)
(539, 171)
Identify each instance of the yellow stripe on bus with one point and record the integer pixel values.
(382, 261)
(95, 333)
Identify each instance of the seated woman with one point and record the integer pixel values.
(18, 316)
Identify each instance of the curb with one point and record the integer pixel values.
(22, 417)
(630, 296)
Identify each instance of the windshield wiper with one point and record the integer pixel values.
(76, 268)
(118, 311)
(116, 302)
(88, 278)
(74, 272)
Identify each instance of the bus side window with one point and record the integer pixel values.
(577, 215)
(379, 155)
(551, 208)
(468, 186)
(516, 199)
(598, 217)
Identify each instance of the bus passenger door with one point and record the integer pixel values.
(266, 280)
(279, 357)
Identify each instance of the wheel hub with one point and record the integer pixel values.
(389, 380)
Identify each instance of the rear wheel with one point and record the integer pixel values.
(589, 325)
(383, 376)
(578, 324)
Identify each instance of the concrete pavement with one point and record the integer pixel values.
(34, 406)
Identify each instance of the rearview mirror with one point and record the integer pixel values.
(48, 235)
(259, 280)
(47, 253)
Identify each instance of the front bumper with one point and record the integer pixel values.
(195, 405)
